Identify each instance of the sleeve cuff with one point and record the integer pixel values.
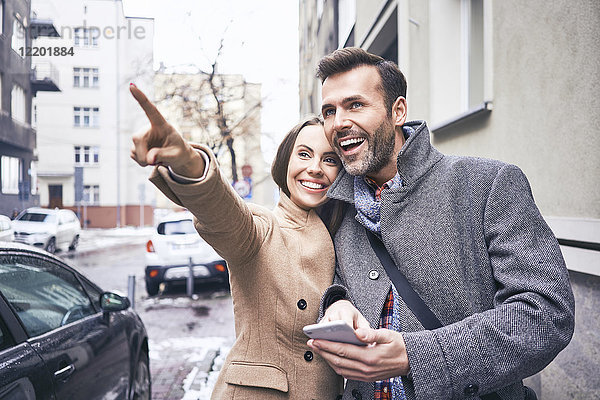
(184, 179)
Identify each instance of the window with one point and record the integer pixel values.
(11, 174)
(34, 179)
(1, 77)
(17, 103)
(86, 116)
(87, 155)
(44, 295)
(86, 37)
(18, 36)
(457, 58)
(91, 194)
(85, 77)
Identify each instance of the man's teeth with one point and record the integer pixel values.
(312, 185)
(349, 142)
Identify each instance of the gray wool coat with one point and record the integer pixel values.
(469, 238)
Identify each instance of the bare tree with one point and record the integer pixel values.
(210, 107)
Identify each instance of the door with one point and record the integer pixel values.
(55, 196)
(23, 375)
(87, 355)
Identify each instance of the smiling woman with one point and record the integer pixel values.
(279, 261)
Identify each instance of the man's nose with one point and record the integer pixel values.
(341, 122)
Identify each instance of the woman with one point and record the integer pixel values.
(279, 261)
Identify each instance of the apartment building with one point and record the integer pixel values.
(84, 131)
(18, 85)
(509, 80)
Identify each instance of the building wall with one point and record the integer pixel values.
(123, 54)
(518, 84)
(17, 138)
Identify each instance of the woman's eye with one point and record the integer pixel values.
(303, 154)
(331, 160)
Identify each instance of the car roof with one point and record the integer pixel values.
(177, 216)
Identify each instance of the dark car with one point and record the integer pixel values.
(62, 337)
(175, 245)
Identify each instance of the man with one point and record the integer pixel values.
(464, 231)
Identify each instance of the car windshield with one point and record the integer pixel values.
(176, 227)
(37, 217)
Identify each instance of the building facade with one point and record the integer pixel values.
(188, 102)
(508, 80)
(84, 133)
(18, 85)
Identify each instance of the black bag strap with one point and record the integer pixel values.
(412, 299)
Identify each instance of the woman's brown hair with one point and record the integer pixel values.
(330, 212)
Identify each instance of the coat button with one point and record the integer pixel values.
(471, 389)
(356, 394)
(373, 274)
(302, 304)
(308, 356)
(340, 397)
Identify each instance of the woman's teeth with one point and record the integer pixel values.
(312, 185)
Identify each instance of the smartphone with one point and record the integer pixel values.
(336, 331)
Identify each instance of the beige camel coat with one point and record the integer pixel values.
(280, 262)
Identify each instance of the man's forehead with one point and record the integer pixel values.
(360, 81)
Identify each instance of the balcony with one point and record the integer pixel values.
(44, 77)
(42, 27)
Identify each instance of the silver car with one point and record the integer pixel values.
(47, 228)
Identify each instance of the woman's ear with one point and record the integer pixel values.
(399, 111)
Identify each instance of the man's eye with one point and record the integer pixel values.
(328, 112)
(356, 105)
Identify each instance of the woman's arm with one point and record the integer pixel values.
(223, 219)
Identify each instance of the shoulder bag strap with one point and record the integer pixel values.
(410, 297)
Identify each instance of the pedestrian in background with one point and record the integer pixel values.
(279, 261)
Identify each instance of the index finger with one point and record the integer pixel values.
(155, 117)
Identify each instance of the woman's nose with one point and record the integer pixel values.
(314, 168)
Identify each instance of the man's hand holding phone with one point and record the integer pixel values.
(380, 355)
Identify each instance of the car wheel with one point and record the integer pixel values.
(142, 389)
(51, 246)
(74, 243)
(152, 288)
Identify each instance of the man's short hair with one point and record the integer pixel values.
(393, 83)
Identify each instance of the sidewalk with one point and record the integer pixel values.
(92, 240)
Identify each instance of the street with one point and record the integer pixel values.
(188, 337)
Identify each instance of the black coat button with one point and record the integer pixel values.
(308, 356)
(356, 394)
(471, 389)
(340, 397)
(302, 304)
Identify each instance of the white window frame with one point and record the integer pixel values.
(91, 194)
(19, 38)
(86, 155)
(18, 104)
(10, 174)
(1, 17)
(86, 37)
(86, 117)
(459, 83)
(85, 77)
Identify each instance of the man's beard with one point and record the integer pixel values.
(380, 149)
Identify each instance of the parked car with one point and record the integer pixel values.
(62, 337)
(6, 230)
(50, 229)
(169, 250)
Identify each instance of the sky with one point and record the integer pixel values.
(260, 42)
